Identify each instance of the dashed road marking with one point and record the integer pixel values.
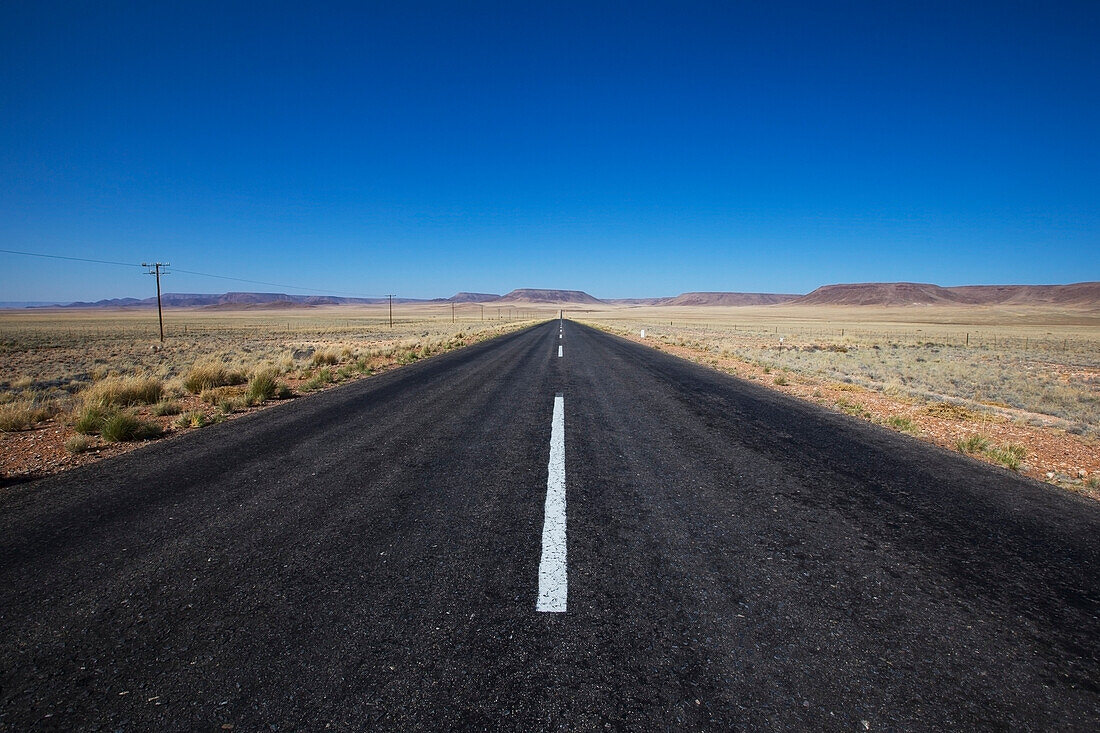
(553, 582)
(559, 351)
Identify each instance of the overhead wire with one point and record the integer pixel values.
(194, 272)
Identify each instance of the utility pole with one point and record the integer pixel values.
(391, 310)
(156, 272)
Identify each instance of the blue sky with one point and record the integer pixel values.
(626, 149)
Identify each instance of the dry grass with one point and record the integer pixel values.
(23, 415)
(1036, 364)
(123, 392)
(209, 375)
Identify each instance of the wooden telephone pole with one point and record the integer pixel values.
(157, 272)
(391, 310)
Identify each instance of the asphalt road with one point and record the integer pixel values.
(369, 558)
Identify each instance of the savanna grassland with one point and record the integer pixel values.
(79, 385)
(1020, 388)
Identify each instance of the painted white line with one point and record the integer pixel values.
(559, 335)
(553, 584)
(559, 351)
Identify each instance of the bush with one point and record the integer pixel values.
(124, 427)
(123, 392)
(79, 444)
(210, 375)
(781, 381)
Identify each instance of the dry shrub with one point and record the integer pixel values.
(123, 392)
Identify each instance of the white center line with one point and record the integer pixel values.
(559, 351)
(553, 584)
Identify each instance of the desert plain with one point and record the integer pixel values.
(1017, 386)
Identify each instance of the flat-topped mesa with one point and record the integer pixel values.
(534, 295)
(902, 293)
(473, 297)
(729, 298)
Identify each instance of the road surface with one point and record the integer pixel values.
(402, 553)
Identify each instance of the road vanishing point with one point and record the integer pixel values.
(503, 538)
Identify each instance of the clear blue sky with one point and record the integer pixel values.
(626, 149)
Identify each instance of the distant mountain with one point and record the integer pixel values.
(1078, 295)
(12, 304)
(892, 294)
(729, 299)
(533, 295)
(473, 298)
(230, 300)
(636, 301)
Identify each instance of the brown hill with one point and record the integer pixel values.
(879, 294)
(891, 294)
(533, 295)
(1076, 294)
(729, 299)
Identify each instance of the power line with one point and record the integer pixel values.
(193, 272)
(75, 259)
(277, 285)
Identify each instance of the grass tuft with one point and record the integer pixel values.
(123, 392)
(320, 379)
(125, 427)
(852, 408)
(263, 386)
(903, 424)
(79, 444)
(192, 419)
(322, 358)
(1010, 455)
(22, 415)
(168, 407)
(209, 375)
(949, 411)
(972, 444)
(90, 420)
